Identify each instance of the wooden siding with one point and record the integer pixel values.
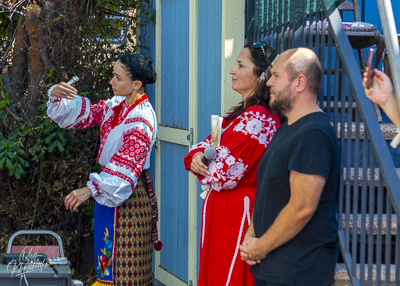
(174, 211)
(175, 63)
(209, 83)
(209, 87)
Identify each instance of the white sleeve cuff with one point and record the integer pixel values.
(95, 191)
(103, 198)
(53, 98)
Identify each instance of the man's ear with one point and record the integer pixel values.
(301, 83)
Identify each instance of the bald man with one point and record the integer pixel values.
(292, 239)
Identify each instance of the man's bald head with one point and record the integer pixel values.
(303, 61)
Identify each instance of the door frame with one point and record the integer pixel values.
(184, 137)
(232, 34)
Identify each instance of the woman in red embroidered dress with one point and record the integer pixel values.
(230, 179)
(124, 198)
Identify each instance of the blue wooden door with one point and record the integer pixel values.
(176, 110)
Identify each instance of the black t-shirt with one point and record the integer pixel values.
(308, 146)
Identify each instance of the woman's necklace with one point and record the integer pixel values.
(118, 109)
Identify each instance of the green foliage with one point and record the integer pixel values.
(102, 30)
(13, 157)
(5, 97)
(5, 22)
(41, 163)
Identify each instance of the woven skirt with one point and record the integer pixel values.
(134, 252)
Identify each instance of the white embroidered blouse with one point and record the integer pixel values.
(127, 132)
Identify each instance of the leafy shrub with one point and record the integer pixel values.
(41, 163)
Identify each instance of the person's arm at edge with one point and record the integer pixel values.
(305, 194)
(382, 93)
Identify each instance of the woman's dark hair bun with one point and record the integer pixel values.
(150, 60)
(139, 68)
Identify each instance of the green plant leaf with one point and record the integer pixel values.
(9, 164)
(60, 146)
(49, 138)
(52, 146)
(2, 160)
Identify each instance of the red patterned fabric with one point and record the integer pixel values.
(96, 116)
(97, 187)
(133, 152)
(136, 142)
(129, 139)
(132, 120)
(122, 115)
(227, 207)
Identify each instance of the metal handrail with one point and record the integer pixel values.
(384, 159)
(391, 41)
(355, 81)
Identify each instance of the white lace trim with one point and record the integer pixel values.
(204, 219)
(246, 214)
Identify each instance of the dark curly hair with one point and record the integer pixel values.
(261, 56)
(139, 68)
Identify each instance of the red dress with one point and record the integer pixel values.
(232, 189)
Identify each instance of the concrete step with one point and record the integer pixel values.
(361, 176)
(388, 130)
(352, 221)
(342, 277)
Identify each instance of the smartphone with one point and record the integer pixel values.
(371, 60)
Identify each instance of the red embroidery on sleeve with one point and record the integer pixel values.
(96, 186)
(139, 119)
(83, 109)
(120, 175)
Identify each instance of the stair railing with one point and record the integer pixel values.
(375, 212)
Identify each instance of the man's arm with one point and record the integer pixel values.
(305, 194)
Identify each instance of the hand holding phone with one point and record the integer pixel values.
(371, 59)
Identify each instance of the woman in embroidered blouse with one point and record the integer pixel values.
(122, 190)
(230, 179)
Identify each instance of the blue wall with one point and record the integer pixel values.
(174, 104)
(209, 75)
(370, 13)
(174, 113)
(174, 211)
(175, 63)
